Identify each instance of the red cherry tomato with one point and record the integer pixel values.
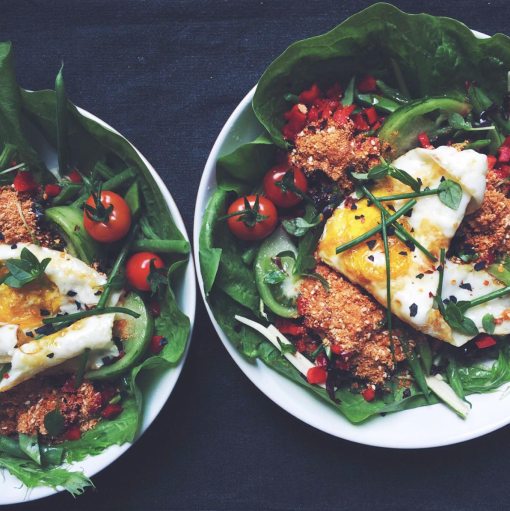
(138, 268)
(262, 228)
(117, 226)
(275, 194)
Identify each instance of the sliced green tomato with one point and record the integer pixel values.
(401, 129)
(281, 298)
(140, 333)
(68, 220)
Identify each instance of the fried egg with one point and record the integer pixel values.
(414, 277)
(68, 286)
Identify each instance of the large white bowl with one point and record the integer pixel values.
(430, 426)
(157, 385)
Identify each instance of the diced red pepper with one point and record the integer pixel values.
(371, 114)
(335, 92)
(502, 171)
(297, 120)
(288, 327)
(335, 348)
(376, 126)
(321, 360)
(313, 114)
(25, 182)
(52, 190)
(367, 84)
(158, 342)
(359, 123)
(316, 375)
(121, 355)
(491, 161)
(69, 385)
(75, 177)
(73, 433)
(504, 154)
(111, 412)
(301, 304)
(368, 394)
(484, 341)
(308, 97)
(506, 143)
(341, 116)
(424, 141)
(154, 308)
(300, 345)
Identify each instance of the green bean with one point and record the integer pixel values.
(393, 94)
(69, 190)
(478, 144)
(161, 246)
(292, 98)
(118, 263)
(382, 104)
(61, 114)
(376, 230)
(111, 184)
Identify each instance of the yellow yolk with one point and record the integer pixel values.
(347, 224)
(22, 306)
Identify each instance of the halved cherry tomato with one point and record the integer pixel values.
(138, 269)
(117, 226)
(239, 224)
(275, 194)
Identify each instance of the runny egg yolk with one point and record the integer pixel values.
(366, 261)
(22, 306)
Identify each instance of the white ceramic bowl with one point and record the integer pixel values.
(430, 426)
(157, 385)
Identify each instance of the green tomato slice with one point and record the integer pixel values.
(281, 297)
(140, 333)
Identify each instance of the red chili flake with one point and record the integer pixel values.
(76, 227)
(431, 295)
(424, 141)
(6, 376)
(484, 341)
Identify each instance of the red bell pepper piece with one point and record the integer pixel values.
(368, 394)
(491, 161)
(371, 115)
(424, 141)
(111, 412)
(335, 92)
(504, 154)
(367, 84)
(75, 177)
(316, 375)
(341, 116)
(73, 433)
(376, 126)
(52, 190)
(297, 120)
(484, 341)
(158, 342)
(25, 182)
(336, 349)
(287, 327)
(359, 123)
(313, 114)
(308, 97)
(502, 171)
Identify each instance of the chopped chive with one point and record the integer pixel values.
(411, 195)
(488, 297)
(376, 230)
(70, 318)
(81, 368)
(439, 294)
(388, 286)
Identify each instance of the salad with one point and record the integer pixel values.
(88, 249)
(360, 244)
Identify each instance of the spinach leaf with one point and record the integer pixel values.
(30, 446)
(53, 421)
(488, 323)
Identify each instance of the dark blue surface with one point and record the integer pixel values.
(167, 74)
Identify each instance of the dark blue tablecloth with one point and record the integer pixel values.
(167, 74)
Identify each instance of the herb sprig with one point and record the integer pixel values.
(24, 270)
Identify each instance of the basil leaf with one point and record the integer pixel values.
(404, 177)
(53, 421)
(30, 446)
(299, 226)
(275, 277)
(488, 323)
(450, 193)
(454, 316)
(379, 171)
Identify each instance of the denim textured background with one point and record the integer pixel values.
(167, 74)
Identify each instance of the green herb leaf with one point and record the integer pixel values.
(501, 270)
(450, 193)
(275, 277)
(292, 98)
(404, 177)
(25, 269)
(454, 316)
(467, 258)
(286, 348)
(30, 446)
(488, 323)
(82, 367)
(98, 212)
(456, 121)
(299, 226)
(287, 184)
(53, 421)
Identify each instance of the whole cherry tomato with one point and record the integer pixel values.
(111, 224)
(138, 268)
(247, 221)
(277, 193)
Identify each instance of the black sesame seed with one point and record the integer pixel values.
(426, 189)
(50, 355)
(390, 231)
(163, 342)
(388, 149)
(391, 208)
(404, 253)
(72, 293)
(78, 304)
(480, 265)
(406, 393)
(409, 213)
(44, 330)
(44, 312)
(107, 361)
(238, 328)
(466, 286)
(413, 310)
(13, 247)
(29, 334)
(419, 276)
(443, 179)
(410, 245)
(371, 244)
(353, 206)
(371, 258)
(453, 299)
(97, 293)
(357, 217)
(446, 301)
(412, 229)
(419, 181)
(2, 237)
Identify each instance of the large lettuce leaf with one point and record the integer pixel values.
(436, 56)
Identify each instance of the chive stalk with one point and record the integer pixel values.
(388, 287)
(71, 318)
